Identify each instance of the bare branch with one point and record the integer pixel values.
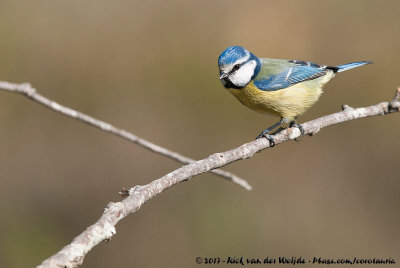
(30, 92)
(73, 254)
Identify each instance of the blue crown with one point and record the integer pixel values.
(232, 54)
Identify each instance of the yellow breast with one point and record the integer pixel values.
(287, 103)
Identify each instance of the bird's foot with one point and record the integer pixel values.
(300, 127)
(270, 138)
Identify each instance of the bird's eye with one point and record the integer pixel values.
(236, 67)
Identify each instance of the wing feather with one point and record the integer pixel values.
(290, 73)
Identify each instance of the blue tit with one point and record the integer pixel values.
(284, 88)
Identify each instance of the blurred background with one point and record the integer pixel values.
(151, 67)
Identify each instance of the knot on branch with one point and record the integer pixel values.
(392, 107)
(27, 89)
(124, 192)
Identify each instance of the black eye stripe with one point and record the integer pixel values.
(235, 68)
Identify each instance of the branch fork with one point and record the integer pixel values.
(27, 90)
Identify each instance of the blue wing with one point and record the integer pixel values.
(291, 73)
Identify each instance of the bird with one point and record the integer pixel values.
(277, 87)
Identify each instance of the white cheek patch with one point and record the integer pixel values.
(243, 76)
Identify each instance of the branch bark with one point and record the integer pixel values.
(73, 254)
(30, 92)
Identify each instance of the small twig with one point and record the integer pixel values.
(30, 92)
(346, 107)
(73, 254)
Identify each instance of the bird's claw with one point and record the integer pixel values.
(270, 138)
(300, 127)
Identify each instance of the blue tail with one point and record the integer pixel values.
(348, 66)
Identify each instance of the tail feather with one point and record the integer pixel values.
(348, 66)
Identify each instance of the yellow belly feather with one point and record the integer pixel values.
(287, 103)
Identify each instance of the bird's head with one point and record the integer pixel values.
(237, 67)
